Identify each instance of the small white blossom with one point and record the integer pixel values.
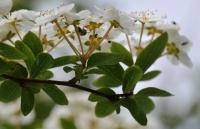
(125, 21)
(22, 20)
(71, 17)
(148, 16)
(177, 48)
(5, 7)
(5, 28)
(49, 16)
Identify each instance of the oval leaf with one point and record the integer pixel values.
(67, 123)
(9, 91)
(67, 69)
(131, 76)
(4, 66)
(152, 91)
(106, 82)
(150, 75)
(43, 62)
(104, 109)
(117, 48)
(145, 103)
(27, 51)
(99, 59)
(97, 98)
(65, 60)
(27, 101)
(135, 110)
(152, 52)
(33, 42)
(10, 52)
(56, 94)
(113, 71)
(17, 70)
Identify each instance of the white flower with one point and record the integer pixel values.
(18, 22)
(25, 15)
(148, 16)
(24, 19)
(124, 20)
(177, 48)
(5, 28)
(5, 7)
(168, 26)
(70, 17)
(49, 16)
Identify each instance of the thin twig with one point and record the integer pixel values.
(67, 84)
(40, 32)
(58, 43)
(68, 41)
(79, 38)
(129, 44)
(92, 49)
(141, 34)
(16, 30)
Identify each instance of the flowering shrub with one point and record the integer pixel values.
(96, 40)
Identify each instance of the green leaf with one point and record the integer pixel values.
(67, 124)
(94, 71)
(9, 91)
(33, 42)
(113, 71)
(150, 75)
(152, 52)
(117, 48)
(26, 51)
(56, 94)
(4, 66)
(131, 76)
(135, 110)
(6, 125)
(36, 87)
(152, 91)
(10, 52)
(106, 82)
(65, 60)
(145, 103)
(43, 108)
(104, 109)
(97, 98)
(45, 75)
(99, 59)
(17, 70)
(27, 101)
(67, 69)
(43, 62)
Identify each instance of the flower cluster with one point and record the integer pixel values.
(96, 39)
(86, 32)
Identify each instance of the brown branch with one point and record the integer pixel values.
(67, 84)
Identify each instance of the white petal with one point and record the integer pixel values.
(184, 58)
(184, 44)
(127, 23)
(174, 60)
(64, 9)
(114, 34)
(5, 6)
(83, 14)
(111, 14)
